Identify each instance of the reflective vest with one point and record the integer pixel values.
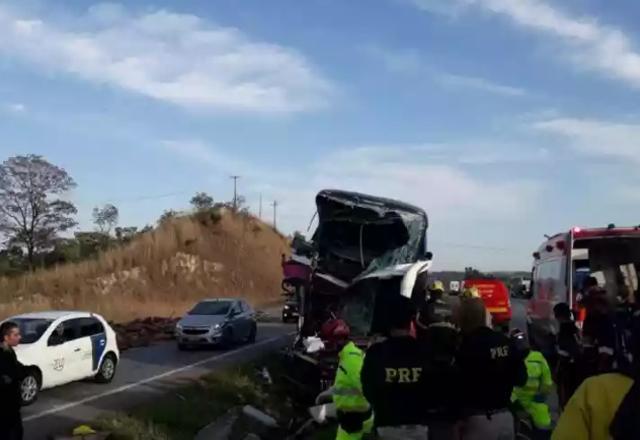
(347, 389)
(538, 378)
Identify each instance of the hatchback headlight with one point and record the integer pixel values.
(286, 307)
(215, 327)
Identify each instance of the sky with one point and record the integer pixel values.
(504, 119)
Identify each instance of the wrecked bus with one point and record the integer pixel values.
(364, 251)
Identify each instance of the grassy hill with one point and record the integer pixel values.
(162, 272)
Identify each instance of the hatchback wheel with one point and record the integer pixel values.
(107, 369)
(29, 387)
(227, 340)
(253, 334)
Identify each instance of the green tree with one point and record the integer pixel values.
(32, 210)
(105, 218)
(126, 234)
(166, 216)
(202, 202)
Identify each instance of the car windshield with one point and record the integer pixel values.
(32, 329)
(211, 308)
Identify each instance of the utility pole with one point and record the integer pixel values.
(235, 192)
(260, 208)
(275, 213)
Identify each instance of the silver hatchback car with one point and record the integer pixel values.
(222, 321)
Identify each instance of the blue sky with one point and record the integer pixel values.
(504, 119)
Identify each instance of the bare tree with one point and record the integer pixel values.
(32, 214)
(105, 218)
(202, 201)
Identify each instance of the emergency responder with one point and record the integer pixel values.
(11, 374)
(490, 368)
(568, 350)
(439, 339)
(599, 334)
(606, 406)
(437, 334)
(471, 292)
(532, 397)
(392, 378)
(353, 410)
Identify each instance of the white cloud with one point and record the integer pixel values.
(16, 107)
(596, 137)
(177, 58)
(410, 62)
(480, 84)
(590, 45)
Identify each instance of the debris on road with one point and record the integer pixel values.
(143, 332)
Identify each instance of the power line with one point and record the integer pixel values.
(145, 197)
(475, 246)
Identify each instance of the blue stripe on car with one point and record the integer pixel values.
(98, 345)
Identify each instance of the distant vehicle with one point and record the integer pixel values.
(496, 297)
(223, 321)
(61, 347)
(290, 311)
(520, 287)
(454, 286)
(565, 261)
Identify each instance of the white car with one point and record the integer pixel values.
(60, 347)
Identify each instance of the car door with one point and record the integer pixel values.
(239, 322)
(64, 353)
(93, 330)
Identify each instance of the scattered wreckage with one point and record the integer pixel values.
(365, 251)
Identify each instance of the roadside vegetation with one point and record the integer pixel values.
(184, 411)
(123, 273)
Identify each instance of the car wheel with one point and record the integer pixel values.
(29, 387)
(253, 334)
(107, 369)
(227, 338)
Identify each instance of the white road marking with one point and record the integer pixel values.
(127, 387)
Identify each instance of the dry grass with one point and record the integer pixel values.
(162, 272)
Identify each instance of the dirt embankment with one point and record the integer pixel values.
(162, 272)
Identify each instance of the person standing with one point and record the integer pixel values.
(353, 410)
(598, 335)
(606, 406)
(568, 350)
(490, 368)
(532, 397)
(438, 338)
(11, 375)
(392, 379)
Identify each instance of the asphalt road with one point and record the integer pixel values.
(143, 374)
(519, 314)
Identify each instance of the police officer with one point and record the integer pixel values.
(353, 410)
(532, 397)
(438, 337)
(490, 369)
(11, 374)
(393, 381)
